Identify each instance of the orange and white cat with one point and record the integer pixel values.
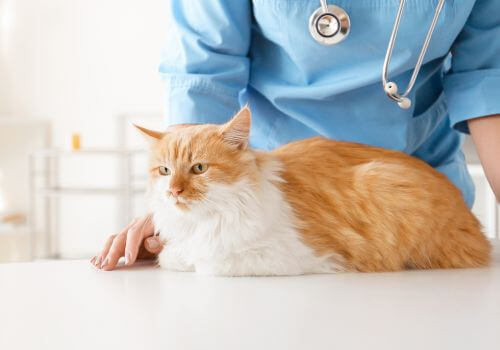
(312, 206)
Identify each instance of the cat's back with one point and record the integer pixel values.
(322, 162)
(339, 172)
(328, 154)
(377, 207)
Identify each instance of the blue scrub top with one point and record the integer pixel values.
(221, 54)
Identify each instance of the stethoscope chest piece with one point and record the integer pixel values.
(329, 27)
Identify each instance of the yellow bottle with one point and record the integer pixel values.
(76, 140)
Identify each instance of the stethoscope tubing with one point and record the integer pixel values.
(390, 88)
(395, 96)
(324, 5)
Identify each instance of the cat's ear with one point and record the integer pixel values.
(150, 135)
(236, 132)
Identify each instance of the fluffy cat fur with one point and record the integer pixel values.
(311, 206)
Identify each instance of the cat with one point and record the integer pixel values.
(311, 206)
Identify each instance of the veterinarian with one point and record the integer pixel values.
(311, 67)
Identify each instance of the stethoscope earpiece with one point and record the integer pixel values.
(391, 89)
(405, 103)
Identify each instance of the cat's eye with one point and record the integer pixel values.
(199, 168)
(163, 170)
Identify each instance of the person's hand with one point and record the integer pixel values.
(136, 241)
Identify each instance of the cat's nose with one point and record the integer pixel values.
(176, 191)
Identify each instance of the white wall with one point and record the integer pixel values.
(78, 64)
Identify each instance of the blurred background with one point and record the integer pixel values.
(74, 75)
(74, 71)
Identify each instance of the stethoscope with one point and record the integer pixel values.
(330, 24)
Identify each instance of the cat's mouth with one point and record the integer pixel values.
(180, 202)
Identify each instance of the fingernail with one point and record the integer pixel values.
(127, 258)
(98, 261)
(104, 263)
(153, 243)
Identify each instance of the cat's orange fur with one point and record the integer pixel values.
(380, 210)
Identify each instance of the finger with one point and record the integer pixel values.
(143, 228)
(101, 257)
(153, 245)
(134, 239)
(144, 254)
(93, 262)
(116, 251)
(104, 252)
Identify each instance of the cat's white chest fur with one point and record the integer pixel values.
(239, 230)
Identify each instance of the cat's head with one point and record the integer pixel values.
(197, 166)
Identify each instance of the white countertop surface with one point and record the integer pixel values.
(70, 305)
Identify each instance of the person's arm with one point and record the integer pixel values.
(486, 135)
(205, 64)
(472, 86)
